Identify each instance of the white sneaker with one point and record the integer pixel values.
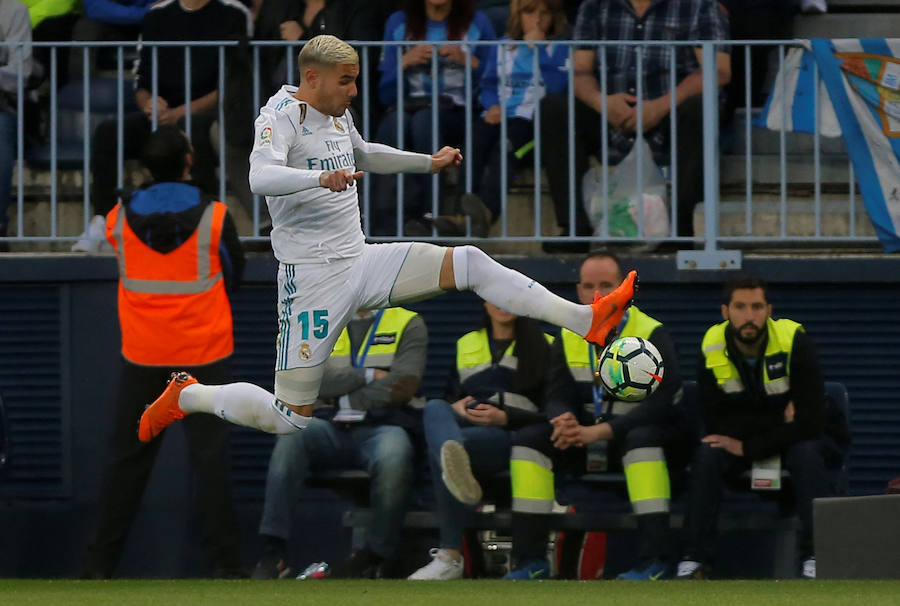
(808, 569)
(94, 238)
(443, 567)
(690, 569)
(813, 6)
(457, 473)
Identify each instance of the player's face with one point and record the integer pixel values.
(599, 274)
(337, 88)
(747, 313)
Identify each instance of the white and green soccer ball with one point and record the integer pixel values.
(630, 369)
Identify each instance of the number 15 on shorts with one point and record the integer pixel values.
(319, 323)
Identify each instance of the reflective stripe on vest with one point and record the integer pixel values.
(380, 355)
(780, 342)
(201, 283)
(473, 355)
(577, 351)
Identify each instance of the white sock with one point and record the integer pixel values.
(242, 404)
(514, 292)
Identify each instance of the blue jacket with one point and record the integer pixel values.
(517, 69)
(417, 80)
(117, 12)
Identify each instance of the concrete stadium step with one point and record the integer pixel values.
(801, 218)
(848, 25)
(800, 169)
(765, 141)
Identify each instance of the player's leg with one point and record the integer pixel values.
(306, 336)
(427, 270)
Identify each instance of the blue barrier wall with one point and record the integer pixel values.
(59, 364)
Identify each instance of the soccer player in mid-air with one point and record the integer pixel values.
(306, 160)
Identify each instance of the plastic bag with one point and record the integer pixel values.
(623, 209)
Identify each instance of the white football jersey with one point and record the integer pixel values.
(315, 224)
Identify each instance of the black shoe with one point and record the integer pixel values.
(362, 564)
(271, 566)
(480, 215)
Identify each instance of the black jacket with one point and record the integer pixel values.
(757, 418)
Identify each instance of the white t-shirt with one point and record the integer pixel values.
(293, 144)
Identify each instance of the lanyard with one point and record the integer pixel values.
(358, 363)
(597, 391)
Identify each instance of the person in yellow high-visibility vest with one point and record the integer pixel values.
(492, 419)
(763, 396)
(644, 439)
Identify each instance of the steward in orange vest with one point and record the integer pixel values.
(176, 249)
(173, 267)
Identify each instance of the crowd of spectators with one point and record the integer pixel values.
(500, 75)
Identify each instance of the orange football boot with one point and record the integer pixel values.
(164, 411)
(608, 311)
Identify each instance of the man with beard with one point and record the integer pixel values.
(762, 394)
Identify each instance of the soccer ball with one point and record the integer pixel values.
(631, 368)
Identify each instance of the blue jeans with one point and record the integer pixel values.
(488, 448)
(385, 451)
(7, 159)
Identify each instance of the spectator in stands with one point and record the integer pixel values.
(181, 20)
(364, 418)
(53, 21)
(434, 21)
(14, 27)
(508, 77)
(756, 20)
(633, 20)
(496, 421)
(296, 20)
(762, 394)
(644, 439)
(172, 320)
(111, 20)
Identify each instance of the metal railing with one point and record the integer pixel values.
(711, 239)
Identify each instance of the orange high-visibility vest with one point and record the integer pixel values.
(173, 310)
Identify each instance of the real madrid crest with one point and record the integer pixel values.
(337, 124)
(305, 352)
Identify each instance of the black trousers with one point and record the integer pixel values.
(131, 462)
(713, 468)
(555, 157)
(136, 131)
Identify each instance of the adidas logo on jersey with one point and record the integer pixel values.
(306, 131)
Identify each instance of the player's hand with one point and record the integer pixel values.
(291, 31)
(339, 180)
(620, 109)
(379, 374)
(485, 414)
(459, 407)
(444, 157)
(492, 115)
(730, 445)
(417, 55)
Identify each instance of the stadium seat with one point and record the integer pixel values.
(4, 439)
(70, 121)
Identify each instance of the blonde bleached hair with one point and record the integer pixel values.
(326, 51)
